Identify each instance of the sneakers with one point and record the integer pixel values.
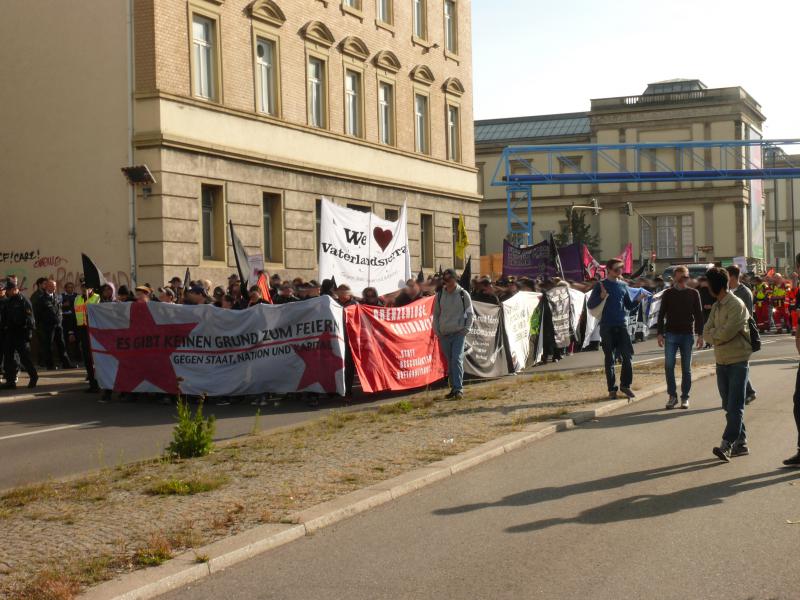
(458, 396)
(450, 395)
(672, 402)
(750, 398)
(740, 450)
(628, 392)
(684, 403)
(794, 461)
(612, 395)
(723, 452)
(33, 381)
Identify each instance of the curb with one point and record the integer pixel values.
(185, 568)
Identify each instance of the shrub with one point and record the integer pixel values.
(193, 435)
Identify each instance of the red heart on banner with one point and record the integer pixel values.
(383, 237)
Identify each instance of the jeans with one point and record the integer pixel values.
(453, 349)
(797, 406)
(616, 342)
(673, 343)
(731, 383)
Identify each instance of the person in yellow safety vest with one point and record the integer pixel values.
(761, 307)
(86, 297)
(780, 305)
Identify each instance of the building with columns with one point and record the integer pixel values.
(249, 111)
(679, 222)
(782, 215)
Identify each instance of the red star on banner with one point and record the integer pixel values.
(145, 356)
(322, 364)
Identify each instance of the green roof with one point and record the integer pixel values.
(524, 128)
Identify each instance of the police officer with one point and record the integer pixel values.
(87, 296)
(18, 325)
(48, 315)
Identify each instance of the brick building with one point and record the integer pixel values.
(249, 111)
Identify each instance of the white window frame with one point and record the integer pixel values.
(385, 12)
(451, 27)
(663, 249)
(272, 69)
(317, 87)
(205, 57)
(386, 113)
(354, 102)
(453, 132)
(419, 24)
(422, 123)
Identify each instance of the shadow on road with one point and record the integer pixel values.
(546, 494)
(645, 417)
(645, 506)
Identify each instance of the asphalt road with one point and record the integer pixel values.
(630, 506)
(68, 433)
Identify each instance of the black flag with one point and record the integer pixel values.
(333, 282)
(466, 276)
(641, 269)
(555, 259)
(421, 277)
(187, 280)
(242, 265)
(92, 274)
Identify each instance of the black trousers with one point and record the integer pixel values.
(86, 352)
(17, 342)
(54, 334)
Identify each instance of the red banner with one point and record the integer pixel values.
(394, 348)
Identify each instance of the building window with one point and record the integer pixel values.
(458, 263)
(391, 214)
(420, 18)
(674, 236)
(359, 208)
(273, 227)
(386, 113)
(453, 134)
(205, 59)
(483, 239)
(450, 27)
(421, 120)
(385, 11)
(317, 101)
(426, 241)
(355, 4)
(266, 69)
(352, 106)
(212, 222)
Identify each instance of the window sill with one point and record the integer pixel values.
(452, 56)
(213, 262)
(353, 12)
(421, 42)
(384, 25)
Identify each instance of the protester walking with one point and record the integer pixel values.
(745, 295)
(794, 461)
(18, 325)
(614, 337)
(452, 317)
(86, 297)
(680, 318)
(727, 329)
(48, 315)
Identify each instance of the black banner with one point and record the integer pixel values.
(485, 354)
(559, 300)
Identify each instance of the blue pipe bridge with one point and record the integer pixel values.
(522, 167)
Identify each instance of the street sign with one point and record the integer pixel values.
(705, 248)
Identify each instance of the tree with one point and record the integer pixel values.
(581, 232)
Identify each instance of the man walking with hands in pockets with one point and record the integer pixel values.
(680, 316)
(614, 337)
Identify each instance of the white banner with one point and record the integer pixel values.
(363, 250)
(156, 347)
(517, 313)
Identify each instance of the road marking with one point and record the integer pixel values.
(27, 433)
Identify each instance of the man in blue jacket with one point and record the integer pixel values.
(614, 337)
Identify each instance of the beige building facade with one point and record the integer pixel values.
(680, 222)
(248, 111)
(782, 215)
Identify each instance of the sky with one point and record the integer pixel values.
(535, 57)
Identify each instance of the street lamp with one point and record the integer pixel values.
(594, 207)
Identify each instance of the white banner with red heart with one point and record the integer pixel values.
(363, 250)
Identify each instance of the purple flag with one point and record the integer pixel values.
(536, 261)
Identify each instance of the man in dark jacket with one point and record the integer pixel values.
(679, 318)
(484, 292)
(18, 324)
(47, 311)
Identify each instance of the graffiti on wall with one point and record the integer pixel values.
(30, 264)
